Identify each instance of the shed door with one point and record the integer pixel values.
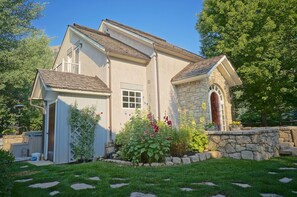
(215, 109)
(51, 131)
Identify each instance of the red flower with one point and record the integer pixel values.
(169, 123)
(149, 116)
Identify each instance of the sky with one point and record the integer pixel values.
(172, 20)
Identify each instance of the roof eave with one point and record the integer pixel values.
(61, 90)
(171, 52)
(189, 79)
(130, 58)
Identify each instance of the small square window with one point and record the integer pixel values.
(131, 99)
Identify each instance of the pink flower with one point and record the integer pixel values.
(169, 123)
(149, 116)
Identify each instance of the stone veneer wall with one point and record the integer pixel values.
(288, 135)
(258, 144)
(191, 95)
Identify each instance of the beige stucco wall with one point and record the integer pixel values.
(217, 78)
(169, 66)
(128, 73)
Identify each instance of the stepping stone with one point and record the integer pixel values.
(294, 192)
(187, 189)
(119, 179)
(243, 185)
(150, 184)
(80, 186)
(272, 173)
(166, 179)
(270, 195)
(118, 185)
(54, 193)
(285, 180)
(76, 175)
(287, 168)
(24, 166)
(95, 178)
(139, 194)
(218, 195)
(45, 185)
(205, 183)
(23, 180)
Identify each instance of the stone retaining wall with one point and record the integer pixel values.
(288, 135)
(257, 144)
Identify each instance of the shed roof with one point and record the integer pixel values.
(71, 81)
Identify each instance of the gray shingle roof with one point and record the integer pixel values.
(195, 69)
(110, 44)
(158, 41)
(71, 81)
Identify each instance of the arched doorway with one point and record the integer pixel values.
(216, 102)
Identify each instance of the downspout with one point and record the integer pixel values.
(110, 101)
(158, 83)
(43, 120)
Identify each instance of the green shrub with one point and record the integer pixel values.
(6, 182)
(141, 141)
(83, 124)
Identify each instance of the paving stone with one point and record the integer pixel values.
(294, 192)
(270, 195)
(187, 189)
(23, 180)
(95, 178)
(218, 195)
(243, 185)
(24, 166)
(287, 168)
(80, 186)
(44, 185)
(139, 194)
(272, 172)
(76, 175)
(285, 180)
(166, 179)
(54, 193)
(119, 179)
(205, 183)
(118, 185)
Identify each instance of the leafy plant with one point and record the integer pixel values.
(83, 124)
(6, 181)
(141, 141)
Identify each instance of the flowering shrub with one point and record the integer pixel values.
(141, 141)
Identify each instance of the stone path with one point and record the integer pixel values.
(294, 192)
(76, 175)
(205, 183)
(119, 179)
(219, 195)
(54, 193)
(285, 180)
(24, 166)
(187, 189)
(243, 185)
(118, 185)
(23, 180)
(95, 178)
(270, 195)
(272, 172)
(80, 186)
(139, 194)
(287, 168)
(44, 185)
(166, 179)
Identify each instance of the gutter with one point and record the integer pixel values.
(110, 101)
(158, 82)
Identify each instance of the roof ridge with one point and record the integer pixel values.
(90, 29)
(143, 32)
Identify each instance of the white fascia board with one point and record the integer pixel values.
(195, 78)
(77, 91)
(34, 86)
(89, 40)
(233, 73)
(128, 32)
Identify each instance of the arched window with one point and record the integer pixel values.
(216, 106)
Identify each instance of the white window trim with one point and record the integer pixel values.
(122, 102)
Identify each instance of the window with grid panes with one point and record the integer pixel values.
(131, 99)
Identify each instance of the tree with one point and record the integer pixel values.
(260, 39)
(22, 49)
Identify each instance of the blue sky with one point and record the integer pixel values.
(172, 20)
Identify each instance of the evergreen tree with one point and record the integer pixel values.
(260, 39)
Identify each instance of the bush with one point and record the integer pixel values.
(6, 163)
(141, 141)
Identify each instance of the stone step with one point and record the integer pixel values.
(289, 152)
(286, 145)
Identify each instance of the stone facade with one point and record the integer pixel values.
(258, 144)
(288, 135)
(191, 95)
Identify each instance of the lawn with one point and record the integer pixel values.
(162, 181)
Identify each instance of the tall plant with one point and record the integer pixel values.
(83, 124)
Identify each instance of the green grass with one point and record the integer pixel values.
(221, 172)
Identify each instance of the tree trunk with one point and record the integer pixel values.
(263, 119)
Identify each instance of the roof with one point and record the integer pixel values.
(110, 44)
(71, 81)
(158, 41)
(199, 68)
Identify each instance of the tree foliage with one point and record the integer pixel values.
(260, 39)
(22, 49)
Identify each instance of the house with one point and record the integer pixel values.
(119, 69)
